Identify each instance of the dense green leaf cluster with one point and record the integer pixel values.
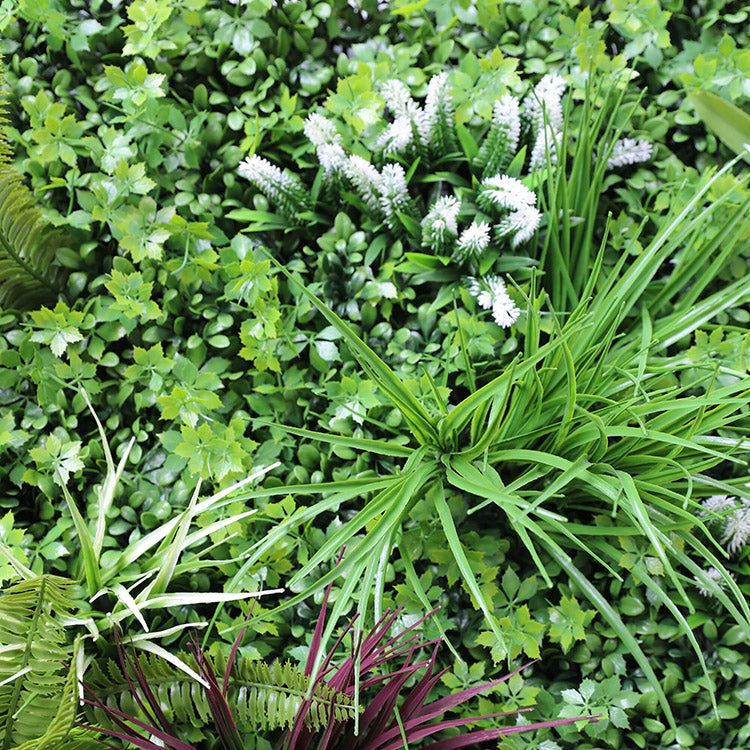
(203, 361)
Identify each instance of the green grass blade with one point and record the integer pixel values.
(91, 569)
(451, 535)
(730, 123)
(372, 446)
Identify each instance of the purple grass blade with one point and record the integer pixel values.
(296, 733)
(406, 646)
(235, 647)
(217, 703)
(158, 733)
(546, 724)
(100, 740)
(150, 697)
(137, 740)
(415, 732)
(343, 674)
(111, 712)
(444, 704)
(319, 625)
(420, 716)
(382, 705)
(421, 691)
(411, 627)
(125, 664)
(411, 668)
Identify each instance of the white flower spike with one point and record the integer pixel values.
(506, 192)
(713, 574)
(629, 151)
(286, 190)
(394, 196)
(547, 140)
(490, 293)
(737, 529)
(473, 241)
(520, 224)
(546, 100)
(366, 180)
(734, 520)
(501, 142)
(396, 137)
(320, 131)
(398, 98)
(440, 224)
(331, 157)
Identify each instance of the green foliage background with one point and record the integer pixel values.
(128, 122)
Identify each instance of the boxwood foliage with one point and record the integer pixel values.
(129, 122)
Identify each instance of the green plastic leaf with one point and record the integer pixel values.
(730, 123)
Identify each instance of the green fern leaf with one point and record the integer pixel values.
(32, 649)
(29, 276)
(261, 696)
(56, 733)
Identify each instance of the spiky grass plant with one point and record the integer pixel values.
(588, 420)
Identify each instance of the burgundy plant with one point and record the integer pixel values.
(378, 727)
(159, 726)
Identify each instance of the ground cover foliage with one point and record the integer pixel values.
(379, 372)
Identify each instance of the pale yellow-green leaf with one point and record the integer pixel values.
(730, 124)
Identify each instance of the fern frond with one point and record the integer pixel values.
(29, 276)
(32, 649)
(261, 696)
(58, 730)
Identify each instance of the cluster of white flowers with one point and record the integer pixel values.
(629, 151)
(491, 294)
(547, 144)
(398, 98)
(440, 225)
(714, 575)
(320, 130)
(520, 224)
(331, 157)
(286, 190)
(437, 113)
(322, 133)
(472, 242)
(433, 122)
(366, 180)
(504, 193)
(733, 518)
(546, 102)
(506, 115)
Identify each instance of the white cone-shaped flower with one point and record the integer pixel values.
(472, 242)
(319, 130)
(629, 151)
(502, 191)
(440, 225)
(714, 575)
